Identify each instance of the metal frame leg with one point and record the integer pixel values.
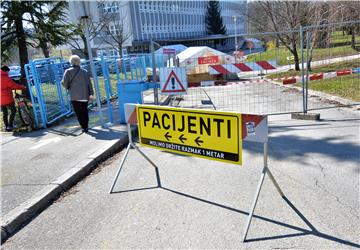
(131, 144)
(275, 183)
(120, 167)
(254, 202)
(123, 160)
(265, 171)
(145, 156)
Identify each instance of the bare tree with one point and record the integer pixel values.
(112, 16)
(321, 14)
(116, 31)
(350, 11)
(284, 18)
(78, 40)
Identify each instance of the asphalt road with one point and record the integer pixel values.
(247, 97)
(196, 203)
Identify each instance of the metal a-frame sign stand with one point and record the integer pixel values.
(256, 131)
(265, 171)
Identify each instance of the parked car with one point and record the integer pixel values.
(15, 72)
(85, 64)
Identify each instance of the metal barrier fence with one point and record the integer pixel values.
(236, 82)
(244, 83)
(50, 99)
(330, 65)
(268, 81)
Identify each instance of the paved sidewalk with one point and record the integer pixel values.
(37, 166)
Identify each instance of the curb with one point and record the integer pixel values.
(18, 217)
(341, 102)
(306, 116)
(12, 222)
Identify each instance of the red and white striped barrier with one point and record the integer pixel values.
(254, 128)
(313, 77)
(241, 67)
(217, 83)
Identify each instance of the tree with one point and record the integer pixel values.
(78, 39)
(118, 35)
(51, 29)
(213, 20)
(20, 20)
(320, 15)
(349, 11)
(280, 16)
(12, 30)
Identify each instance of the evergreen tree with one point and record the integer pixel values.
(51, 29)
(30, 23)
(214, 21)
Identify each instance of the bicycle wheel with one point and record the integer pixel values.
(25, 116)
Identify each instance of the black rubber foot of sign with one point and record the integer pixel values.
(306, 116)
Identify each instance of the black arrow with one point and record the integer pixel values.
(198, 141)
(167, 136)
(182, 138)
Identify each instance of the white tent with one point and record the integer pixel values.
(198, 59)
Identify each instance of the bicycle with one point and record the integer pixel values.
(24, 110)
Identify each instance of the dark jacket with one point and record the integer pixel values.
(77, 81)
(7, 85)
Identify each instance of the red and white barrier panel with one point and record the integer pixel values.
(241, 67)
(313, 77)
(254, 128)
(343, 72)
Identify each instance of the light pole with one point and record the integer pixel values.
(85, 20)
(236, 45)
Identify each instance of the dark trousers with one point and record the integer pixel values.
(82, 114)
(4, 109)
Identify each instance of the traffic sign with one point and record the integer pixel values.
(173, 80)
(207, 134)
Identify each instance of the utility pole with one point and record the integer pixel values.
(85, 19)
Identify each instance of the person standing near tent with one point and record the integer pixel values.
(7, 99)
(77, 81)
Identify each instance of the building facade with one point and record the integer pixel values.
(136, 23)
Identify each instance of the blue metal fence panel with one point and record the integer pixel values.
(46, 92)
(50, 99)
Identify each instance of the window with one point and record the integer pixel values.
(111, 7)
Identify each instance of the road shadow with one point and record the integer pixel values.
(289, 146)
(106, 134)
(311, 230)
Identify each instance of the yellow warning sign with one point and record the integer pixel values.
(208, 134)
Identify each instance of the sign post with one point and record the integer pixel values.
(265, 171)
(207, 134)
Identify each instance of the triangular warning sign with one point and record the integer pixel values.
(173, 84)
